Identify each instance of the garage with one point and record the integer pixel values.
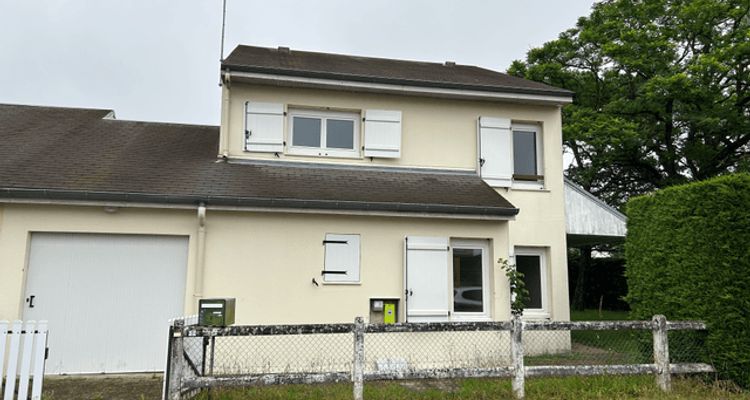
(107, 298)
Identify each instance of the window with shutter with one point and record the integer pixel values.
(342, 259)
(382, 134)
(495, 151)
(264, 127)
(427, 291)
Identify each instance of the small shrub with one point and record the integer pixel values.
(688, 257)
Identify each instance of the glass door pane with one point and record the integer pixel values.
(467, 280)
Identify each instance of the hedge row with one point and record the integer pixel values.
(688, 257)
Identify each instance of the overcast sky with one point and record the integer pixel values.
(158, 60)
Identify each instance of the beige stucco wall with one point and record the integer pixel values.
(265, 260)
(437, 133)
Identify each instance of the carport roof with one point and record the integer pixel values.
(81, 154)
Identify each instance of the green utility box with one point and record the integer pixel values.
(216, 312)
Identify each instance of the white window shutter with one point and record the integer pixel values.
(382, 133)
(495, 151)
(264, 127)
(341, 258)
(427, 291)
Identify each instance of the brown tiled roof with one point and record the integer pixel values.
(381, 70)
(65, 153)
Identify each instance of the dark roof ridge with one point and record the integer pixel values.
(165, 123)
(108, 110)
(291, 50)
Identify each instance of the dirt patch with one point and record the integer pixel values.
(101, 387)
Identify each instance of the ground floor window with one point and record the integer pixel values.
(531, 262)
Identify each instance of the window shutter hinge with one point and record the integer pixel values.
(248, 133)
(363, 119)
(481, 162)
(285, 113)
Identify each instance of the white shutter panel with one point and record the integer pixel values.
(264, 127)
(341, 258)
(382, 133)
(427, 290)
(496, 151)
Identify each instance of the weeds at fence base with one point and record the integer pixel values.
(578, 388)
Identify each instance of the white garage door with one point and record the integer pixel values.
(107, 298)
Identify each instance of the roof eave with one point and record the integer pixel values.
(398, 86)
(391, 208)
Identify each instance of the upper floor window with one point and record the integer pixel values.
(510, 154)
(526, 153)
(324, 133)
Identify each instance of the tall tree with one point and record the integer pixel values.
(661, 92)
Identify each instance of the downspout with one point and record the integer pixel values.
(200, 257)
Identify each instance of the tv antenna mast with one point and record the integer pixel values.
(223, 28)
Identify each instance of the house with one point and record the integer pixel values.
(335, 184)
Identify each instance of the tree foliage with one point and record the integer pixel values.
(661, 92)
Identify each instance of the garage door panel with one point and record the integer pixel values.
(107, 297)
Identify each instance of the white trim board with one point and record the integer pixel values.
(296, 81)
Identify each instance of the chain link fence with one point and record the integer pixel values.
(203, 357)
(241, 355)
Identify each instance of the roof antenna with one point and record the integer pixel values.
(223, 26)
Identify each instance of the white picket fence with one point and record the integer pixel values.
(27, 342)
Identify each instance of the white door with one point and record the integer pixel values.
(107, 298)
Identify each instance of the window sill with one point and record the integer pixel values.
(469, 318)
(536, 315)
(323, 153)
(524, 188)
(359, 283)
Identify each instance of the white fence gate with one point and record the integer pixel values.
(27, 343)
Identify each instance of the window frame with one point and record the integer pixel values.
(323, 116)
(528, 181)
(485, 315)
(359, 259)
(541, 252)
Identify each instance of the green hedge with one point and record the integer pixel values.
(688, 257)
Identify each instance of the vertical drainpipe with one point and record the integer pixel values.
(200, 257)
(225, 115)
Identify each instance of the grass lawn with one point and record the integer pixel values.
(578, 388)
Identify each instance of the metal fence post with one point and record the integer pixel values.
(177, 364)
(661, 353)
(358, 369)
(516, 355)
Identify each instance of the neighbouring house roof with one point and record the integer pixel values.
(589, 220)
(283, 61)
(78, 154)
